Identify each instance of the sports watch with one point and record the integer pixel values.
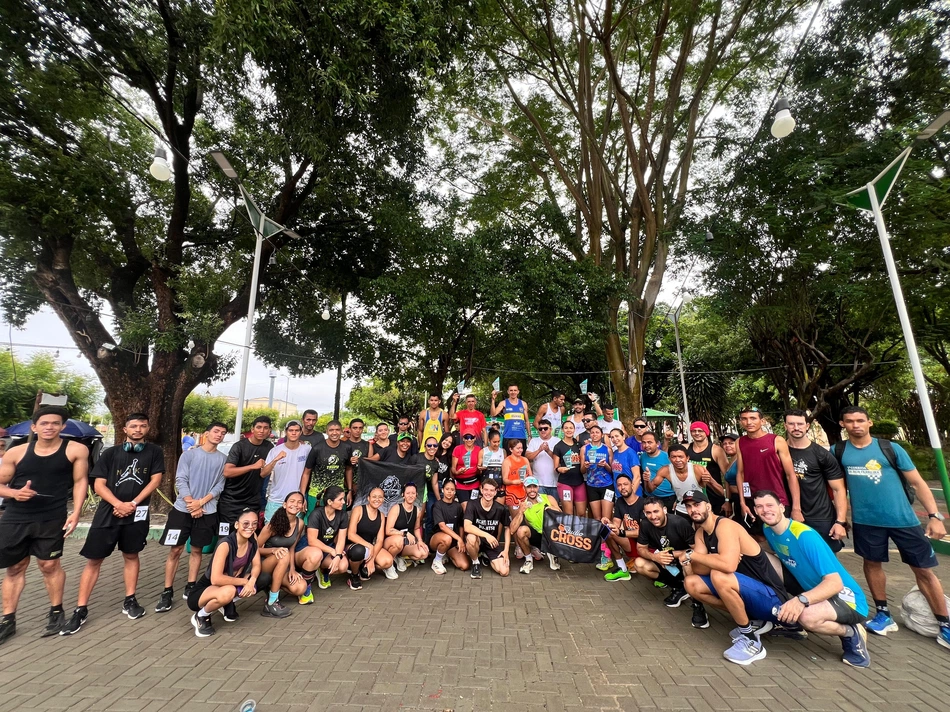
(937, 515)
(804, 601)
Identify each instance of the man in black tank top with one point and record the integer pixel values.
(35, 480)
(703, 452)
(729, 570)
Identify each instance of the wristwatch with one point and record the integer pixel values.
(937, 515)
(804, 601)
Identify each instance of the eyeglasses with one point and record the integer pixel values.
(432, 446)
(247, 525)
(403, 423)
(468, 437)
(543, 430)
(639, 425)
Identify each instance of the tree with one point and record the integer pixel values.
(20, 380)
(201, 410)
(591, 114)
(385, 401)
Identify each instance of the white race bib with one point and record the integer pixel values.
(609, 495)
(474, 494)
(224, 529)
(746, 490)
(171, 537)
(141, 513)
(566, 495)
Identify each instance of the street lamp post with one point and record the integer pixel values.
(679, 356)
(265, 228)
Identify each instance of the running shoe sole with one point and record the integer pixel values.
(194, 623)
(678, 602)
(82, 622)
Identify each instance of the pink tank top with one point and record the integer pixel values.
(761, 467)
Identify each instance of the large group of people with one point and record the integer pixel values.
(750, 525)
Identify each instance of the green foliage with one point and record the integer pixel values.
(385, 402)
(202, 410)
(21, 379)
(885, 429)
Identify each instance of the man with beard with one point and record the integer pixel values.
(329, 463)
(661, 540)
(703, 452)
(624, 527)
(309, 435)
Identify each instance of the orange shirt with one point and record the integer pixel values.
(518, 468)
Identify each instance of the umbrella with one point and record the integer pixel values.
(73, 429)
(650, 413)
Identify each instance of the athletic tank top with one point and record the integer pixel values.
(681, 488)
(554, 417)
(51, 476)
(406, 521)
(514, 420)
(432, 428)
(761, 467)
(756, 567)
(579, 426)
(534, 515)
(519, 469)
(492, 460)
(598, 476)
(287, 542)
(368, 528)
(705, 458)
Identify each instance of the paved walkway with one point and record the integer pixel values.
(554, 641)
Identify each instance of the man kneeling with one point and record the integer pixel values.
(833, 603)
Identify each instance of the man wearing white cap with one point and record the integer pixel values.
(528, 523)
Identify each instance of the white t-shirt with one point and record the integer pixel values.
(542, 466)
(285, 477)
(612, 425)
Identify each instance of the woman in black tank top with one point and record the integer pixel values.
(404, 530)
(277, 543)
(365, 537)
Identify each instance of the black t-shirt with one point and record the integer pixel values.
(448, 514)
(815, 466)
(628, 514)
(432, 467)
(313, 438)
(489, 521)
(569, 456)
(445, 467)
(326, 528)
(677, 535)
(328, 465)
(244, 490)
(385, 453)
(126, 474)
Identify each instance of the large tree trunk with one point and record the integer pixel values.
(625, 379)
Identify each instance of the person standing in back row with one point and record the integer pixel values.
(553, 412)
(243, 473)
(433, 421)
(35, 481)
(517, 424)
(703, 452)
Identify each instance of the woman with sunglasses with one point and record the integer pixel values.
(278, 543)
(596, 464)
(465, 469)
(232, 574)
(365, 537)
(448, 539)
(571, 489)
(427, 459)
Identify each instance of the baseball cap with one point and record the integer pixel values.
(578, 401)
(404, 436)
(730, 436)
(695, 496)
(293, 422)
(531, 481)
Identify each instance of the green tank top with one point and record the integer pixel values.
(534, 515)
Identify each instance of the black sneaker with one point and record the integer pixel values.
(54, 624)
(132, 609)
(483, 560)
(230, 612)
(364, 573)
(476, 571)
(165, 601)
(7, 630)
(700, 620)
(189, 587)
(275, 610)
(203, 627)
(354, 582)
(675, 598)
(75, 622)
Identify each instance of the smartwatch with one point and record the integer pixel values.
(937, 515)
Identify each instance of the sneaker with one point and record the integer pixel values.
(400, 563)
(881, 624)
(230, 612)
(7, 630)
(745, 650)
(189, 587)
(483, 560)
(390, 573)
(536, 553)
(438, 567)
(605, 564)
(760, 628)
(618, 575)
(76, 621)
(275, 610)
(203, 627)
(354, 582)
(307, 598)
(364, 573)
(700, 619)
(165, 601)
(943, 638)
(855, 647)
(554, 562)
(659, 584)
(792, 632)
(519, 554)
(476, 571)
(323, 580)
(528, 566)
(132, 609)
(54, 624)
(676, 597)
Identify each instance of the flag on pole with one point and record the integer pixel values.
(861, 199)
(584, 386)
(496, 384)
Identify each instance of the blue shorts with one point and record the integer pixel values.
(870, 543)
(759, 598)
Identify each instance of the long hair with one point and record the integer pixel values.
(280, 522)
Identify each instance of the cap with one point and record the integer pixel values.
(700, 425)
(695, 496)
(578, 400)
(730, 436)
(404, 436)
(531, 481)
(293, 422)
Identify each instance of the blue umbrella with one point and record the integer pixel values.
(73, 429)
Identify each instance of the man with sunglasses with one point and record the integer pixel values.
(404, 425)
(541, 456)
(634, 441)
(587, 422)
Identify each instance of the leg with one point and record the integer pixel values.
(394, 544)
(727, 586)
(171, 564)
(87, 581)
(597, 508)
(699, 591)
(877, 580)
(383, 559)
(500, 565)
(521, 539)
(194, 564)
(130, 572)
(278, 573)
(647, 568)
(580, 507)
(441, 542)
(471, 546)
(613, 543)
(822, 618)
(215, 597)
(461, 561)
(930, 586)
(13, 584)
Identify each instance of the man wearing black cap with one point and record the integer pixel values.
(729, 570)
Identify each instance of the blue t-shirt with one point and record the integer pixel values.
(655, 462)
(598, 476)
(634, 444)
(809, 559)
(877, 495)
(624, 462)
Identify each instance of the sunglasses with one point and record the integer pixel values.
(587, 420)
(639, 425)
(432, 446)
(542, 430)
(468, 437)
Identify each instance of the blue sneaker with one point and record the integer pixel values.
(943, 638)
(745, 651)
(855, 648)
(881, 624)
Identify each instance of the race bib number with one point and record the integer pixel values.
(171, 537)
(609, 495)
(224, 529)
(141, 513)
(566, 495)
(746, 490)
(474, 494)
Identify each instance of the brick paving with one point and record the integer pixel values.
(554, 641)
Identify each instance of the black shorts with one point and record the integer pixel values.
(600, 494)
(19, 540)
(491, 552)
(844, 613)
(181, 526)
(102, 541)
(194, 595)
(534, 538)
(823, 526)
(870, 543)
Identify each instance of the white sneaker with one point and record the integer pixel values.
(438, 567)
(555, 564)
(390, 573)
(536, 553)
(519, 554)
(400, 564)
(527, 566)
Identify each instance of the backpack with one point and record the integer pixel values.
(891, 458)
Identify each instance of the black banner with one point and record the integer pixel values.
(390, 477)
(570, 537)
